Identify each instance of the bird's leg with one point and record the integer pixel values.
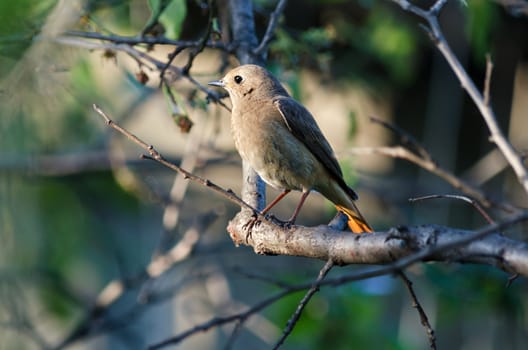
(291, 221)
(254, 218)
(275, 201)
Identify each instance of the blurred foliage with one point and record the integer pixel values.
(342, 44)
(172, 18)
(67, 235)
(481, 25)
(20, 22)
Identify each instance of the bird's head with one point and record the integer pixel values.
(250, 82)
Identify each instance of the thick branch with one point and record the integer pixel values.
(404, 245)
(245, 38)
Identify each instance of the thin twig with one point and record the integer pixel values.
(487, 79)
(418, 306)
(202, 43)
(455, 196)
(155, 155)
(497, 136)
(416, 153)
(148, 40)
(262, 278)
(302, 304)
(429, 165)
(273, 21)
(136, 54)
(405, 138)
(219, 321)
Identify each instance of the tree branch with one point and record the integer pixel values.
(245, 39)
(431, 166)
(148, 40)
(405, 245)
(421, 312)
(497, 136)
(273, 21)
(302, 304)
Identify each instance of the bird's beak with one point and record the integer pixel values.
(219, 83)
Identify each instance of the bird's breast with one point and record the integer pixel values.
(263, 140)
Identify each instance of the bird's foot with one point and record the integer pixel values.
(284, 224)
(248, 226)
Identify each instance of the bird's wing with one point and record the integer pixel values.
(303, 126)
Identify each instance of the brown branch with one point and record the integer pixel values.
(245, 40)
(148, 40)
(219, 321)
(407, 244)
(142, 56)
(406, 139)
(155, 155)
(497, 136)
(418, 306)
(274, 20)
(487, 80)
(434, 168)
(462, 198)
(324, 243)
(302, 304)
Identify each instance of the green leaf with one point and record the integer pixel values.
(172, 18)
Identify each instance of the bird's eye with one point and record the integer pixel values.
(238, 79)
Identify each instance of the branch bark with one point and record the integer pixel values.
(402, 246)
(245, 39)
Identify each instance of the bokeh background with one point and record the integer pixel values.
(79, 209)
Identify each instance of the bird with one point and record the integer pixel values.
(282, 142)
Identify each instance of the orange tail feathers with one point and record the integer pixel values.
(356, 221)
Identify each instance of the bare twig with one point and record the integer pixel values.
(273, 21)
(463, 198)
(487, 80)
(202, 43)
(148, 40)
(406, 139)
(140, 55)
(497, 136)
(434, 168)
(219, 321)
(304, 301)
(416, 153)
(418, 306)
(263, 278)
(155, 155)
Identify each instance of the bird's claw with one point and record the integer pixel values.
(248, 226)
(284, 224)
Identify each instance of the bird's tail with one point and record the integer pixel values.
(356, 221)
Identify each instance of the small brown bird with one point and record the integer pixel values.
(281, 140)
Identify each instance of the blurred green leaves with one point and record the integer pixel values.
(172, 18)
(20, 21)
(355, 49)
(482, 19)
